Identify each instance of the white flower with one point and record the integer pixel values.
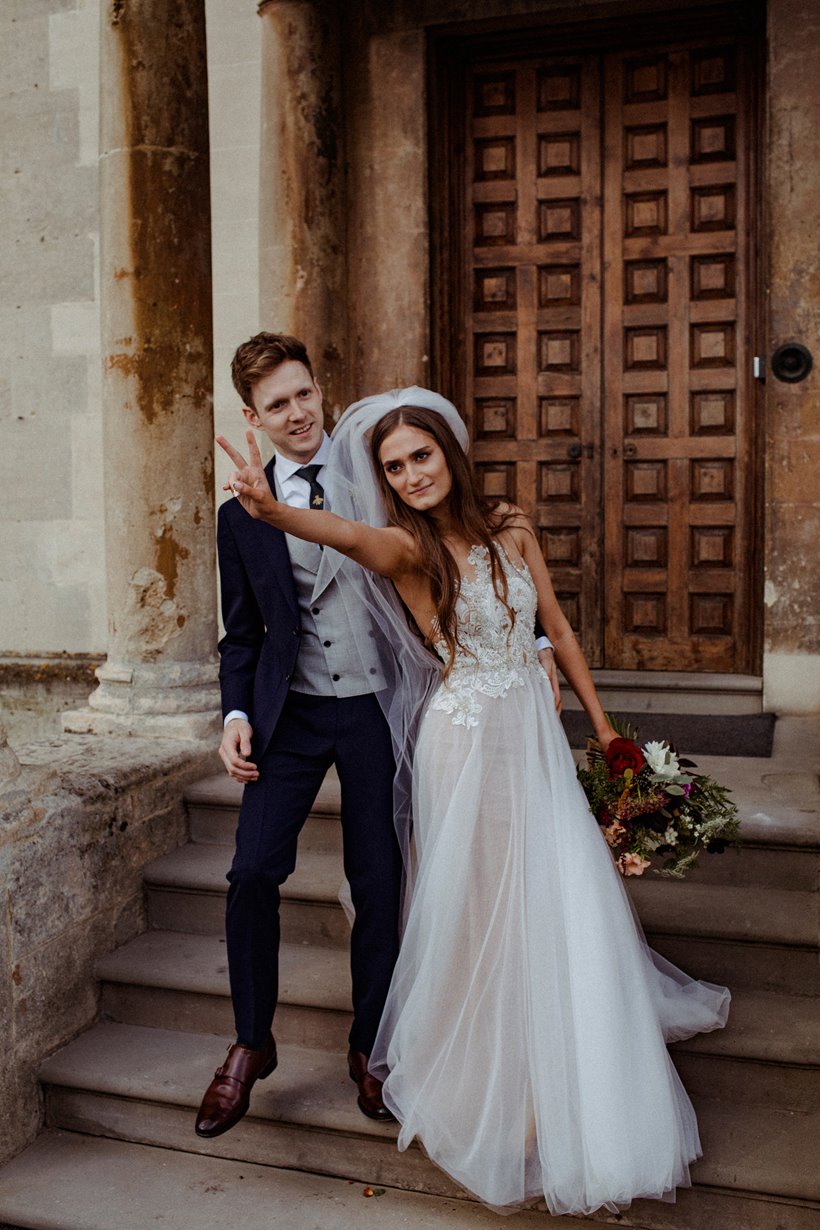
(670, 837)
(662, 761)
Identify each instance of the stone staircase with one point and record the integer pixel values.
(121, 1098)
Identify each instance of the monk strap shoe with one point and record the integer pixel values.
(370, 1088)
(228, 1096)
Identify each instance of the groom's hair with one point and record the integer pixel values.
(261, 355)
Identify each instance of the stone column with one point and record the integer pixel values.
(303, 287)
(387, 217)
(157, 374)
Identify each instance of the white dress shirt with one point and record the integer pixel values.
(296, 491)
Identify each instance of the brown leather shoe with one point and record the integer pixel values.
(228, 1095)
(370, 1088)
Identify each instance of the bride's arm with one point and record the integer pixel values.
(389, 552)
(568, 652)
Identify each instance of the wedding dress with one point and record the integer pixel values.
(523, 1041)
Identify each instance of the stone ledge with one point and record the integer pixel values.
(18, 670)
(77, 826)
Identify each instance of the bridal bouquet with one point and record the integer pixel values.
(649, 804)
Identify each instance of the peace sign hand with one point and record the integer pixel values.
(248, 481)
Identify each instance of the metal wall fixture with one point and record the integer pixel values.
(792, 362)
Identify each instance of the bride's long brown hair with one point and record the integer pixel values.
(476, 519)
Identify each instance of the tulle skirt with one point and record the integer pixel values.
(524, 1038)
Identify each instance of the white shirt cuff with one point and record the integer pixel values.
(235, 713)
(541, 642)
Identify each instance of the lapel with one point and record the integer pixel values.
(273, 549)
(325, 571)
(308, 554)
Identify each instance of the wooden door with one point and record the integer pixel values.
(678, 361)
(534, 365)
(607, 364)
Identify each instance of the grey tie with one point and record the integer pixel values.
(317, 491)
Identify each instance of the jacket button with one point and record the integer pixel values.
(287, 676)
(296, 631)
(336, 678)
(316, 610)
(327, 644)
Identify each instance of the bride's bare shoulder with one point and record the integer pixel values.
(513, 520)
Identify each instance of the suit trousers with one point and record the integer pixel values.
(314, 732)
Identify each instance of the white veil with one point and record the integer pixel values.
(409, 668)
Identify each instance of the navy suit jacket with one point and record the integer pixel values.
(261, 617)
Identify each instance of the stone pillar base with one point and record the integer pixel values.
(170, 699)
(157, 725)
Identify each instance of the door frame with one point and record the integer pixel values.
(603, 28)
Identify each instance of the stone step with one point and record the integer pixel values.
(743, 934)
(737, 935)
(186, 890)
(213, 806)
(780, 826)
(180, 981)
(762, 864)
(175, 981)
(780, 823)
(144, 1085)
(765, 967)
(67, 1181)
(738, 913)
(783, 916)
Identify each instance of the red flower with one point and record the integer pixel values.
(623, 754)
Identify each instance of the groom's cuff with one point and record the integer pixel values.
(235, 713)
(541, 642)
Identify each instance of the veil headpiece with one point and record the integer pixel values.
(351, 468)
(410, 669)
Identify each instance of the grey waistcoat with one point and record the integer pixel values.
(329, 663)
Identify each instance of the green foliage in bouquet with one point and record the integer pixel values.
(651, 806)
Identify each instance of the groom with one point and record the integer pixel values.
(297, 697)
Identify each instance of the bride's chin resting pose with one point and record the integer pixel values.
(524, 1038)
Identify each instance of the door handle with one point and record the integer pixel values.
(576, 450)
(630, 450)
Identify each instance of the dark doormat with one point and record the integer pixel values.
(691, 734)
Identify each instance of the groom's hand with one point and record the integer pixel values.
(248, 481)
(547, 659)
(235, 749)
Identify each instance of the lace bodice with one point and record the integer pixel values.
(493, 656)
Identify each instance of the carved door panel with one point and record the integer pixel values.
(677, 353)
(534, 365)
(607, 356)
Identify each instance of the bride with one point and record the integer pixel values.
(523, 1040)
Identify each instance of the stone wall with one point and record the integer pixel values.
(77, 826)
(52, 592)
(52, 564)
(791, 669)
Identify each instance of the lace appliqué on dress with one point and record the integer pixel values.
(493, 656)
